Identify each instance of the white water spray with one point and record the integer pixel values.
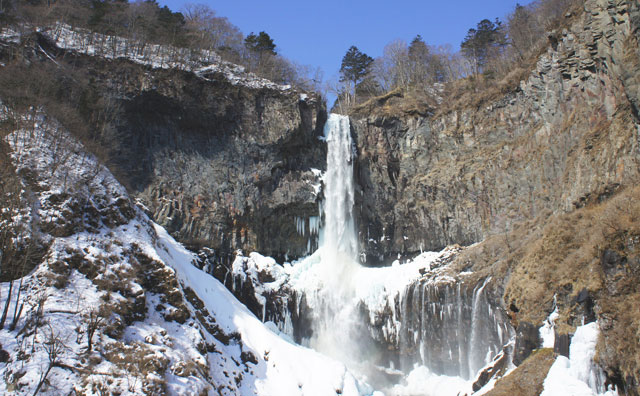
(339, 229)
(334, 305)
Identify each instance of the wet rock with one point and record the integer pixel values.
(527, 339)
(561, 344)
(586, 303)
(499, 363)
(448, 326)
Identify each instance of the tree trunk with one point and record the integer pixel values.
(6, 306)
(42, 380)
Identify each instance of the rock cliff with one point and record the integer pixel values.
(542, 175)
(457, 174)
(219, 157)
(223, 166)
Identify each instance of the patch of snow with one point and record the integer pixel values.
(421, 381)
(547, 330)
(578, 375)
(10, 35)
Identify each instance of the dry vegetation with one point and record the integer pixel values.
(528, 378)
(588, 259)
(195, 27)
(528, 37)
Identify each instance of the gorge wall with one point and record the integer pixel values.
(219, 157)
(542, 175)
(223, 166)
(458, 173)
(229, 165)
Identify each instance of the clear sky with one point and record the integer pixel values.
(318, 33)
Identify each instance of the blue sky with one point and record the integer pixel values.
(318, 33)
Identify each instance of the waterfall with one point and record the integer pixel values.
(339, 244)
(387, 324)
(335, 314)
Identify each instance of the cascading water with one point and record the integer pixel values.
(332, 300)
(339, 245)
(392, 324)
(462, 322)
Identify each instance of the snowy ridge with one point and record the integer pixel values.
(163, 326)
(204, 63)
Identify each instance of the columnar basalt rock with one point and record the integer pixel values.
(221, 165)
(568, 134)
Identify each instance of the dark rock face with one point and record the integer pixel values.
(567, 135)
(219, 165)
(284, 306)
(500, 362)
(450, 326)
(561, 344)
(527, 339)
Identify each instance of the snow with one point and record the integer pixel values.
(10, 35)
(547, 330)
(290, 369)
(377, 287)
(421, 381)
(203, 63)
(578, 375)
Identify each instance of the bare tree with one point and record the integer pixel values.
(54, 346)
(37, 318)
(94, 320)
(209, 31)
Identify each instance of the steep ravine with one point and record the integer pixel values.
(537, 184)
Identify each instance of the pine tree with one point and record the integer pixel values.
(483, 42)
(355, 66)
(261, 43)
(418, 50)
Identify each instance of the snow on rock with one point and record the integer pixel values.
(377, 287)
(287, 368)
(578, 375)
(162, 326)
(547, 330)
(9, 35)
(204, 63)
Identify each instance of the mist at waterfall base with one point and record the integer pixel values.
(345, 299)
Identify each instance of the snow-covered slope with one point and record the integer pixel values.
(161, 325)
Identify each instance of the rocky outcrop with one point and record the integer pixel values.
(566, 136)
(219, 160)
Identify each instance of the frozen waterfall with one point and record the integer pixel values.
(339, 229)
